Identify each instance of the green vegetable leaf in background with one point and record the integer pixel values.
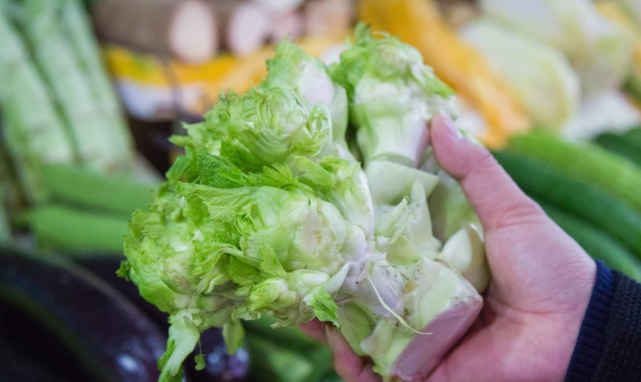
(598, 49)
(595, 242)
(540, 76)
(585, 161)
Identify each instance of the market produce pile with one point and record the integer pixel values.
(69, 170)
(270, 213)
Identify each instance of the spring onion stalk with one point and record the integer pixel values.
(76, 186)
(93, 130)
(80, 34)
(32, 129)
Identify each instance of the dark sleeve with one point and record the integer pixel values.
(608, 348)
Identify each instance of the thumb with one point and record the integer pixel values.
(497, 200)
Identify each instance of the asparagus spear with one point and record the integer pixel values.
(117, 196)
(33, 131)
(80, 35)
(93, 131)
(75, 231)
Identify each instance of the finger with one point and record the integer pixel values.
(497, 200)
(348, 365)
(438, 375)
(315, 329)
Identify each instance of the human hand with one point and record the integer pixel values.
(541, 284)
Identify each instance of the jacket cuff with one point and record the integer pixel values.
(592, 336)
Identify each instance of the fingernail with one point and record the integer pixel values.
(451, 129)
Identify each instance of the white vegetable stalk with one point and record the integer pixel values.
(392, 97)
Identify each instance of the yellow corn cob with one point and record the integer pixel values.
(224, 73)
(252, 69)
(418, 23)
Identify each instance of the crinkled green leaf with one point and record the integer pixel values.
(312, 173)
(392, 96)
(267, 125)
(233, 333)
(199, 359)
(324, 306)
(183, 337)
(293, 68)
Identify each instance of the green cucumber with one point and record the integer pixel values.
(587, 201)
(292, 338)
(73, 231)
(5, 232)
(633, 87)
(634, 136)
(289, 336)
(83, 187)
(588, 162)
(273, 361)
(596, 243)
(620, 145)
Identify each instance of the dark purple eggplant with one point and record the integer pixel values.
(102, 334)
(221, 366)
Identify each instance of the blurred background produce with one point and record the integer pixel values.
(90, 92)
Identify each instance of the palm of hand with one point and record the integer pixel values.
(541, 282)
(533, 308)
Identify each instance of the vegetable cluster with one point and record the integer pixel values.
(269, 212)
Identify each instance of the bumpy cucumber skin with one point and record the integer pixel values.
(620, 145)
(596, 243)
(589, 202)
(587, 162)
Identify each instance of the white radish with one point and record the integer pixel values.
(290, 25)
(279, 7)
(186, 29)
(244, 26)
(327, 16)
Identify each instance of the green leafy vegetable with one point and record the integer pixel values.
(392, 95)
(293, 68)
(269, 215)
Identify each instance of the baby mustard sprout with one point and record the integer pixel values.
(268, 212)
(392, 95)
